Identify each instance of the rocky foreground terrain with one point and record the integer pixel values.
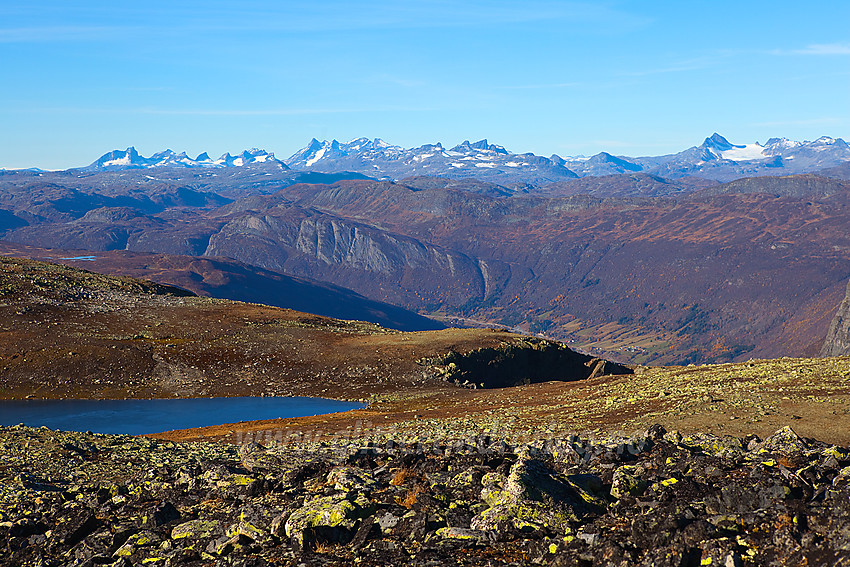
(653, 498)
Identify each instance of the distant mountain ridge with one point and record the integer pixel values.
(131, 159)
(480, 160)
(716, 159)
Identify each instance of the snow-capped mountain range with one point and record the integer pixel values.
(720, 148)
(716, 158)
(130, 159)
(377, 158)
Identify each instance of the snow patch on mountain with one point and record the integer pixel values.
(744, 153)
(117, 162)
(315, 158)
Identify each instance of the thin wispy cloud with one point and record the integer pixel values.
(403, 82)
(826, 49)
(147, 89)
(539, 86)
(277, 112)
(245, 112)
(222, 111)
(328, 16)
(816, 49)
(696, 64)
(376, 14)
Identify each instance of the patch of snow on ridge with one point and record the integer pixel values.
(485, 164)
(120, 161)
(512, 164)
(316, 158)
(743, 153)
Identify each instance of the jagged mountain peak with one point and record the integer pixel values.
(718, 142)
(483, 144)
(616, 164)
(118, 158)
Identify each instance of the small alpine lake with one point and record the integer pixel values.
(139, 417)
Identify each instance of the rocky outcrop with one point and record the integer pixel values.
(837, 342)
(525, 361)
(654, 498)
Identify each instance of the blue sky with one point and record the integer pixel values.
(633, 78)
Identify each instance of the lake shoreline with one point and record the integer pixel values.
(151, 416)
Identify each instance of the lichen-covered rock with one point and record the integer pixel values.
(725, 447)
(141, 539)
(468, 477)
(256, 457)
(335, 513)
(531, 479)
(534, 497)
(466, 534)
(350, 478)
(526, 516)
(626, 482)
(494, 479)
(785, 441)
(196, 529)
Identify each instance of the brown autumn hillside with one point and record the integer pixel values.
(223, 278)
(70, 333)
(752, 268)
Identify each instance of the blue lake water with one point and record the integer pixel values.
(137, 417)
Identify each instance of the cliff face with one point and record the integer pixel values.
(371, 261)
(837, 341)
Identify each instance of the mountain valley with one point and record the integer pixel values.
(612, 257)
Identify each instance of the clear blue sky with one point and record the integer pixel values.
(637, 78)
